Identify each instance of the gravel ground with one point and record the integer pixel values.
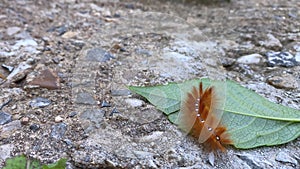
(65, 66)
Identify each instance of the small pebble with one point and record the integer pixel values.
(251, 160)
(12, 30)
(68, 142)
(271, 42)
(251, 59)
(143, 154)
(285, 158)
(9, 68)
(6, 150)
(145, 52)
(25, 43)
(46, 79)
(25, 120)
(99, 55)
(19, 72)
(72, 114)
(58, 119)
(61, 30)
(121, 92)
(34, 127)
(56, 60)
(69, 35)
(152, 137)
(285, 81)
(5, 118)
(134, 102)
(129, 6)
(5, 103)
(227, 62)
(96, 7)
(284, 59)
(23, 35)
(113, 112)
(211, 159)
(40, 102)
(12, 126)
(105, 104)
(87, 159)
(58, 130)
(77, 43)
(297, 57)
(85, 98)
(92, 117)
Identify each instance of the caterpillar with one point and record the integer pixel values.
(200, 117)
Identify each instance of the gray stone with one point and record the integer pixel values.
(227, 62)
(98, 55)
(285, 59)
(69, 35)
(91, 119)
(105, 104)
(285, 158)
(297, 47)
(12, 30)
(61, 30)
(5, 117)
(9, 68)
(12, 126)
(121, 92)
(239, 163)
(5, 151)
(152, 137)
(23, 35)
(68, 142)
(297, 57)
(58, 130)
(285, 81)
(271, 42)
(250, 160)
(94, 115)
(19, 72)
(72, 114)
(97, 8)
(78, 43)
(40, 102)
(5, 103)
(85, 98)
(134, 102)
(34, 127)
(143, 154)
(6, 54)
(145, 52)
(211, 158)
(25, 43)
(251, 59)
(114, 111)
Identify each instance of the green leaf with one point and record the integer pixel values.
(60, 164)
(251, 120)
(167, 98)
(21, 162)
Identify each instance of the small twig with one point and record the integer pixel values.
(5, 103)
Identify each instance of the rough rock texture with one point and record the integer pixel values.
(98, 48)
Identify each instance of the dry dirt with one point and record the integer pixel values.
(97, 48)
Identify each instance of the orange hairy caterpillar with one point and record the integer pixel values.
(200, 117)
